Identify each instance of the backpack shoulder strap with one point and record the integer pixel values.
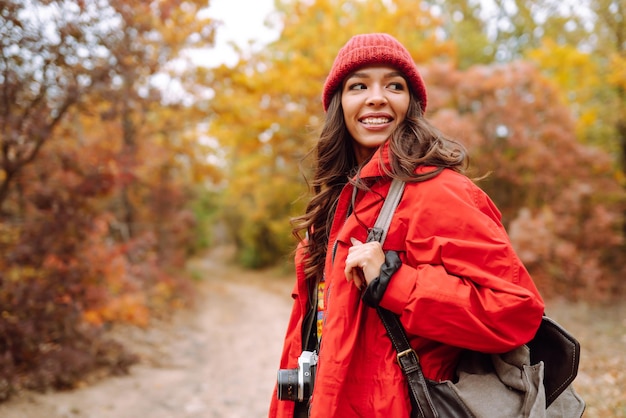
(379, 231)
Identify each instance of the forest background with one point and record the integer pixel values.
(120, 159)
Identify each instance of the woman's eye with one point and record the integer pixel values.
(396, 86)
(357, 86)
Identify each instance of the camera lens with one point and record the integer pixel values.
(287, 384)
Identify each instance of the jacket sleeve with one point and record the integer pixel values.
(461, 283)
(292, 346)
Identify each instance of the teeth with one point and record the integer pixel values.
(376, 121)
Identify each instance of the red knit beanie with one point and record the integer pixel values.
(373, 48)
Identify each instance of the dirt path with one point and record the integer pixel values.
(217, 360)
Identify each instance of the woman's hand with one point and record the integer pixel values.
(363, 262)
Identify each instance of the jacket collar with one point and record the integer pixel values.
(374, 167)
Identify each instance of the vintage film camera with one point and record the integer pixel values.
(297, 384)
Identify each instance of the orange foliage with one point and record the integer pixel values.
(559, 198)
(126, 308)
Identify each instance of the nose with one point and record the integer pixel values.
(376, 96)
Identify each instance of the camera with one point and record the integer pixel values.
(297, 384)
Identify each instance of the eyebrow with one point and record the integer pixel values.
(391, 74)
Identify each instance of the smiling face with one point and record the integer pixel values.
(375, 100)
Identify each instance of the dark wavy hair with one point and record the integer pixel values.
(414, 143)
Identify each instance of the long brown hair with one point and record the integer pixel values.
(414, 143)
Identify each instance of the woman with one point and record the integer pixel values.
(446, 268)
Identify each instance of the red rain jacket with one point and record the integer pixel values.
(461, 285)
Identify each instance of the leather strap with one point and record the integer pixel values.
(409, 363)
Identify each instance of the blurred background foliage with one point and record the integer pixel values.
(110, 182)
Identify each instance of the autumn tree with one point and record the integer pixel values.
(589, 71)
(151, 40)
(579, 46)
(610, 30)
(504, 30)
(97, 171)
(559, 198)
(48, 59)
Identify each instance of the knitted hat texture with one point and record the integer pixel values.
(368, 49)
